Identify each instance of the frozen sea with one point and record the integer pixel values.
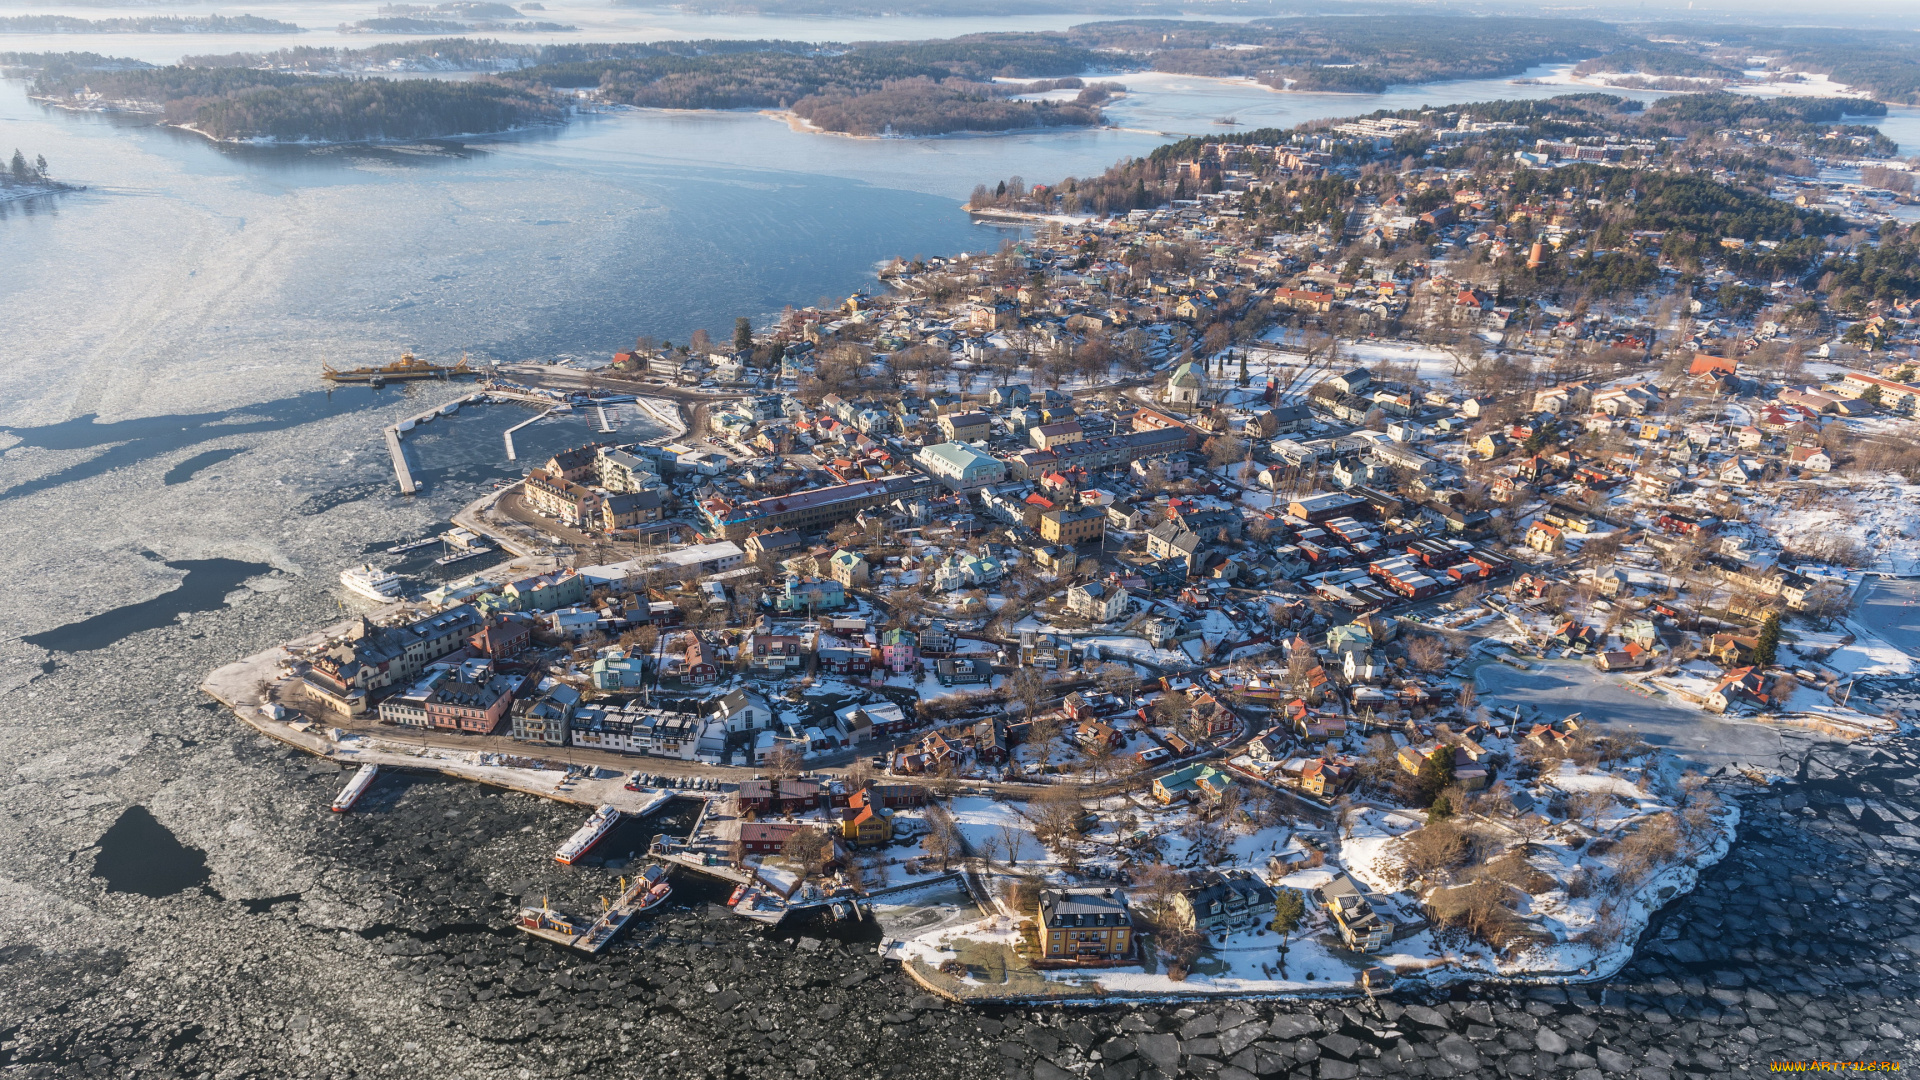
(177, 489)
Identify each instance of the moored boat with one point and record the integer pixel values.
(659, 889)
(356, 787)
(372, 582)
(547, 923)
(408, 366)
(597, 826)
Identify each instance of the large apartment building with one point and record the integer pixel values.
(807, 511)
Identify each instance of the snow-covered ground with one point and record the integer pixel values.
(1577, 933)
(1880, 517)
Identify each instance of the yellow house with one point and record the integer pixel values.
(1085, 925)
(865, 824)
(1076, 526)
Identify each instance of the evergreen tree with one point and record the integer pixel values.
(1289, 910)
(1441, 810)
(19, 167)
(1768, 644)
(1243, 369)
(742, 334)
(1436, 773)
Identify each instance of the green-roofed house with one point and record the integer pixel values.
(1198, 779)
(848, 568)
(961, 467)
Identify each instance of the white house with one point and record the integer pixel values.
(743, 711)
(1097, 601)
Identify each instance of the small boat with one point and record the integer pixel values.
(449, 408)
(547, 923)
(762, 906)
(597, 826)
(356, 787)
(658, 888)
(372, 582)
(446, 560)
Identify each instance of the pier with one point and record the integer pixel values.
(509, 433)
(549, 925)
(400, 470)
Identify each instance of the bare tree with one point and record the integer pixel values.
(1427, 652)
(1589, 807)
(943, 839)
(1118, 679)
(807, 849)
(1011, 837)
(785, 762)
(1429, 851)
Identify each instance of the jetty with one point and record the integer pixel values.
(647, 891)
(401, 471)
(511, 456)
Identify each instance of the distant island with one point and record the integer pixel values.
(437, 54)
(146, 24)
(1355, 55)
(23, 179)
(977, 83)
(455, 17)
(949, 9)
(905, 88)
(246, 105)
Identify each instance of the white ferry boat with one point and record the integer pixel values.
(356, 787)
(597, 826)
(372, 582)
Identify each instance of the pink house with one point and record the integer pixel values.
(899, 651)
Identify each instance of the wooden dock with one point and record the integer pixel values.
(549, 925)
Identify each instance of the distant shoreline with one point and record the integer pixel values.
(11, 193)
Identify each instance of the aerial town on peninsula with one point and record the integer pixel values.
(1303, 563)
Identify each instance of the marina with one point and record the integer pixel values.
(508, 434)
